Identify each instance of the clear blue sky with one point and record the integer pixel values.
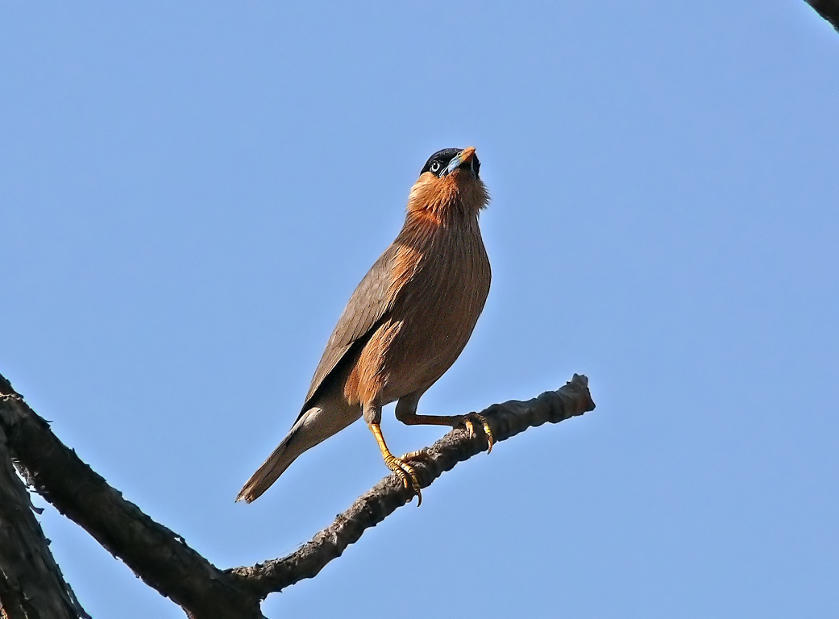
(188, 196)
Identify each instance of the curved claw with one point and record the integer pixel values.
(467, 421)
(469, 427)
(406, 473)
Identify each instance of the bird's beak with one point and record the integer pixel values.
(460, 159)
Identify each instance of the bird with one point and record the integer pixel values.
(405, 324)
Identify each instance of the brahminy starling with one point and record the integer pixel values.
(405, 324)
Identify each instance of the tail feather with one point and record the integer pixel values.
(329, 415)
(269, 472)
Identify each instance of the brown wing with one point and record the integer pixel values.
(366, 307)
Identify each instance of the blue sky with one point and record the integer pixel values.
(188, 196)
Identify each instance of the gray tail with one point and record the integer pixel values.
(269, 472)
(329, 415)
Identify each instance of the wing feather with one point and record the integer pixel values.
(368, 304)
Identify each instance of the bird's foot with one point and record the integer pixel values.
(470, 419)
(406, 473)
(420, 454)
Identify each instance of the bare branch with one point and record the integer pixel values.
(828, 9)
(164, 561)
(31, 584)
(505, 420)
(157, 555)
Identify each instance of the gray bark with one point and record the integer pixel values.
(506, 420)
(31, 584)
(156, 554)
(828, 9)
(163, 559)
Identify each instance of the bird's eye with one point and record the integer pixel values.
(435, 166)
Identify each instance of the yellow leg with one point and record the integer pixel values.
(403, 470)
(468, 421)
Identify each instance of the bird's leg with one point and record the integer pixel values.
(406, 412)
(403, 470)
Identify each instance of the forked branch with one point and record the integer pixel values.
(165, 562)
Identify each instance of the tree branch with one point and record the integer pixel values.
(156, 554)
(164, 561)
(505, 420)
(31, 584)
(828, 9)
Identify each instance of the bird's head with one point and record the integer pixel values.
(449, 185)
